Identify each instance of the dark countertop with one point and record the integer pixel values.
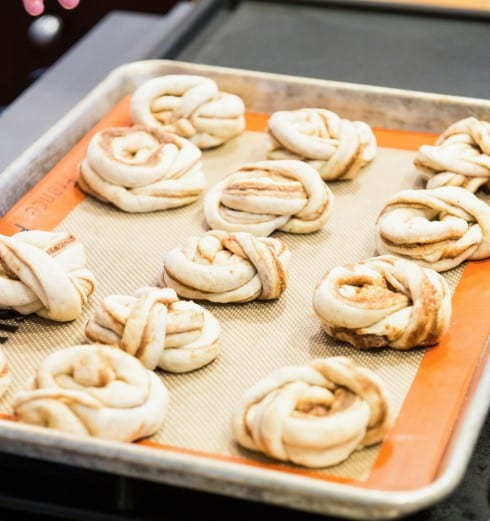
(426, 51)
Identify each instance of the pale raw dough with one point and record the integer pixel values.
(157, 328)
(459, 157)
(44, 273)
(439, 228)
(336, 147)
(227, 267)
(94, 390)
(315, 415)
(262, 197)
(141, 169)
(190, 106)
(383, 301)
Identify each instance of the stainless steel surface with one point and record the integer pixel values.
(390, 48)
(261, 92)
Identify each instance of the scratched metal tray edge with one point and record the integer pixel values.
(214, 475)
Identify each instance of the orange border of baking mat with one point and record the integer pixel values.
(412, 452)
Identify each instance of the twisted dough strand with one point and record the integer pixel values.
(44, 273)
(336, 147)
(261, 197)
(94, 390)
(383, 301)
(158, 329)
(227, 267)
(140, 169)
(314, 415)
(460, 156)
(190, 106)
(438, 228)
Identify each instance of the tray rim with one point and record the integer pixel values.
(267, 485)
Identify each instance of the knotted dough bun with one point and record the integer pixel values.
(191, 106)
(315, 415)
(383, 301)
(337, 148)
(158, 329)
(141, 169)
(261, 197)
(439, 228)
(227, 267)
(460, 156)
(44, 273)
(94, 390)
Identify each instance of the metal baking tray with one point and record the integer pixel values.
(263, 93)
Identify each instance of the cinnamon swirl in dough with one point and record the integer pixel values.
(261, 197)
(190, 106)
(94, 390)
(383, 301)
(227, 267)
(315, 415)
(4, 374)
(44, 273)
(158, 329)
(460, 156)
(336, 147)
(438, 228)
(141, 169)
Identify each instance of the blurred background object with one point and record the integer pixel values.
(45, 30)
(29, 45)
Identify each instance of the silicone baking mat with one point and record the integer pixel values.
(125, 251)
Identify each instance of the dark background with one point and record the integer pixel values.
(22, 61)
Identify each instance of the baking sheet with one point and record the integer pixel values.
(205, 397)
